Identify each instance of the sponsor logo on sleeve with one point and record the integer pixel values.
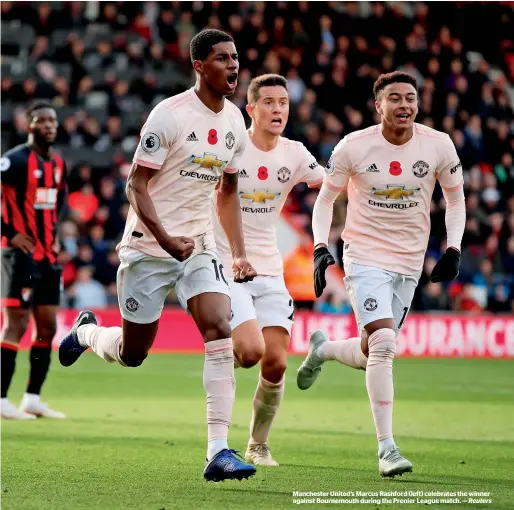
(150, 143)
(455, 168)
(5, 164)
(330, 166)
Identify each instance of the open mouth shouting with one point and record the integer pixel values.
(232, 81)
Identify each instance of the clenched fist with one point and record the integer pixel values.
(179, 248)
(243, 270)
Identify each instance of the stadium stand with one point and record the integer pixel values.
(104, 65)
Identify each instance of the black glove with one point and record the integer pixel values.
(447, 267)
(322, 259)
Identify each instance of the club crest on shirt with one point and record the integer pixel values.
(330, 166)
(420, 168)
(283, 174)
(58, 175)
(230, 139)
(150, 143)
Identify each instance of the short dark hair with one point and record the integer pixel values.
(265, 80)
(202, 43)
(395, 77)
(37, 105)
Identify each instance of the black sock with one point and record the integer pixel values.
(39, 365)
(8, 364)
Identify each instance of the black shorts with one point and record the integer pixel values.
(26, 283)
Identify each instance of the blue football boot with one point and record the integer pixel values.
(225, 465)
(69, 348)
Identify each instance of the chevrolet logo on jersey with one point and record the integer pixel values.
(208, 160)
(259, 196)
(399, 196)
(395, 192)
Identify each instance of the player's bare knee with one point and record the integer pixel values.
(15, 327)
(216, 328)
(273, 366)
(274, 372)
(45, 333)
(133, 357)
(249, 356)
(13, 333)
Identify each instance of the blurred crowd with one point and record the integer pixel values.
(104, 65)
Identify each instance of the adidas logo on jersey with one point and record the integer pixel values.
(372, 168)
(192, 137)
(243, 174)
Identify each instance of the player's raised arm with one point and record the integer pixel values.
(157, 137)
(452, 183)
(337, 175)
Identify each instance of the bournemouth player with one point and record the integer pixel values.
(33, 194)
(390, 170)
(189, 143)
(263, 309)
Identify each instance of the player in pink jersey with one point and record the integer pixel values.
(189, 144)
(390, 171)
(262, 309)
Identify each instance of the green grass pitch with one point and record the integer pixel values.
(135, 438)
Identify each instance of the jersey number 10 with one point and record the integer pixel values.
(218, 270)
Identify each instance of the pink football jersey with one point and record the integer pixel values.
(265, 180)
(389, 193)
(190, 146)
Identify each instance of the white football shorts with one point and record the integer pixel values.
(265, 299)
(379, 294)
(144, 282)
